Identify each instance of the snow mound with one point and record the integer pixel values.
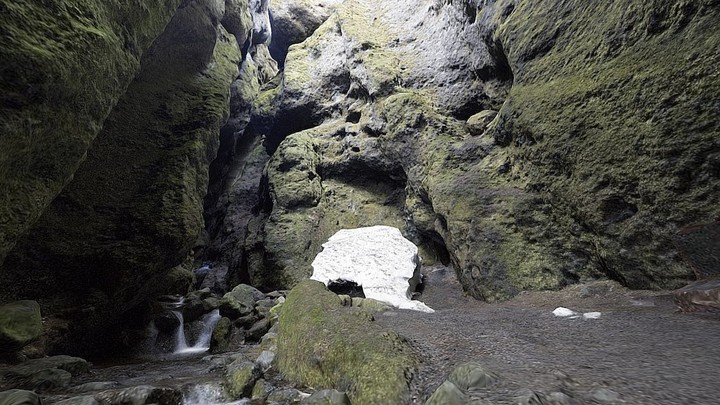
(378, 258)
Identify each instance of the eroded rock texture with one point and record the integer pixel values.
(530, 143)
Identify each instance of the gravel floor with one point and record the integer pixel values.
(640, 347)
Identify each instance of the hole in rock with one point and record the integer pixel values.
(353, 117)
(346, 287)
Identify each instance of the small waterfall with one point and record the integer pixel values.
(180, 341)
(203, 342)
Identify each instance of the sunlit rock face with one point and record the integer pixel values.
(527, 143)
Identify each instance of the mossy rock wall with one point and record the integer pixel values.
(612, 121)
(134, 208)
(325, 345)
(64, 64)
(605, 144)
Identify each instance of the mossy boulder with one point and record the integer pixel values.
(20, 324)
(240, 378)
(64, 65)
(325, 345)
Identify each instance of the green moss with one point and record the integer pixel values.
(603, 129)
(65, 65)
(325, 345)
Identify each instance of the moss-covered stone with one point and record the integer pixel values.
(240, 378)
(20, 324)
(64, 66)
(325, 345)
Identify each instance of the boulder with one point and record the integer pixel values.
(700, 296)
(327, 397)
(19, 397)
(226, 337)
(261, 390)
(45, 373)
(142, 394)
(377, 258)
(265, 360)
(448, 394)
(323, 344)
(240, 301)
(82, 400)
(472, 375)
(20, 324)
(36, 379)
(258, 329)
(240, 378)
(290, 396)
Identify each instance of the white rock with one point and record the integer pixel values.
(378, 258)
(592, 315)
(562, 311)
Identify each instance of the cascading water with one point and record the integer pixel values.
(202, 343)
(180, 346)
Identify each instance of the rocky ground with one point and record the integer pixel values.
(640, 349)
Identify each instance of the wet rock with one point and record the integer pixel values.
(226, 337)
(553, 398)
(40, 380)
(239, 302)
(142, 394)
(700, 296)
(327, 397)
(605, 396)
(448, 394)
(95, 386)
(240, 378)
(286, 396)
(20, 324)
(45, 373)
(167, 322)
(19, 397)
(83, 400)
(265, 360)
(259, 328)
(261, 390)
(471, 376)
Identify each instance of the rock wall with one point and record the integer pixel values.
(531, 144)
(63, 66)
(134, 208)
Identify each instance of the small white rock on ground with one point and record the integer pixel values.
(378, 258)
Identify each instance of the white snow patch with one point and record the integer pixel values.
(592, 315)
(564, 312)
(378, 258)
